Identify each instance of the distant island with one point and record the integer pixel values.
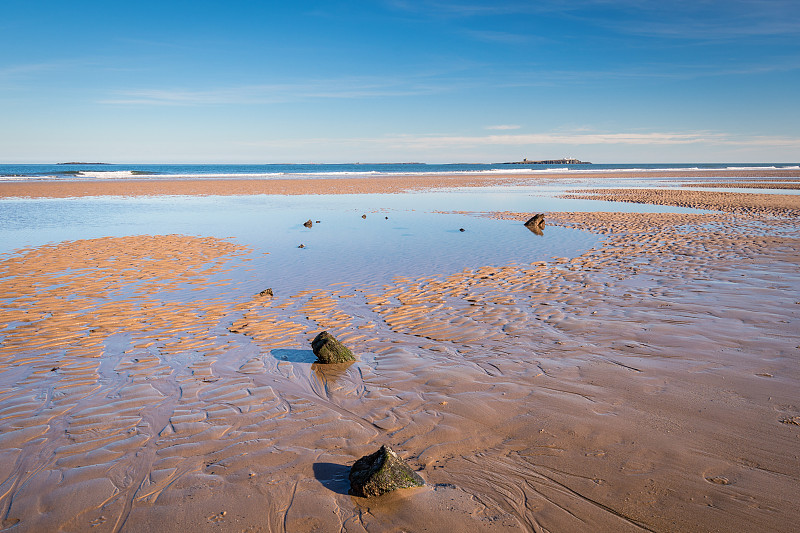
(80, 163)
(564, 161)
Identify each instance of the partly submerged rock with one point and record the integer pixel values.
(308, 223)
(536, 224)
(536, 220)
(536, 230)
(329, 350)
(381, 472)
(266, 292)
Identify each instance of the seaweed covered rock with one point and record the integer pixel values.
(329, 350)
(381, 472)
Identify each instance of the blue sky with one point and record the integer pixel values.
(436, 81)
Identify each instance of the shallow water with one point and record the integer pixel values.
(402, 234)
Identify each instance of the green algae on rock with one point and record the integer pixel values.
(329, 350)
(381, 472)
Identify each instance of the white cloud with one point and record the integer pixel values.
(364, 87)
(425, 143)
(503, 127)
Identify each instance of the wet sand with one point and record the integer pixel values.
(735, 202)
(752, 184)
(650, 384)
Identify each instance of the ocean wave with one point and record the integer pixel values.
(105, 173)
(782, 167)
(24, 177)
(208, 172)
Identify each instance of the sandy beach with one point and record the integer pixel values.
(648, 384)
(387, 184)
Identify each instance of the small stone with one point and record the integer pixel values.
(308, 223)
(462, 230)
(302, 246)
(317, 222)
(328, 350)
(266, 292)
(381, 472)
(387, 218)
(363, 216)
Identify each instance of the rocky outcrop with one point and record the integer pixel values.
(381, 472)
(328, 350)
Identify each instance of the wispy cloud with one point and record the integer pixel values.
(426, 143)
(679, 19)
(692, 20)
(501, 37)
(503, 127)
(483, 8)
(277, 93)
(28, 70)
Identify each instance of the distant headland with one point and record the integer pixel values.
(564, 161)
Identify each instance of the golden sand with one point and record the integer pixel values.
(645, 385)
(751, 184)
(774, 204)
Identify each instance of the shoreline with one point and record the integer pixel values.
(367, 185)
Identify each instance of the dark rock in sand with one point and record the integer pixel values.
(381, 472)
(329, 350)
(536, 224)
(266, 292)
(461, 230)
(536, 221)
(363, 216)
(308, 223)
(302, 246)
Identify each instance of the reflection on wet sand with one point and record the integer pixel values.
(143, 387)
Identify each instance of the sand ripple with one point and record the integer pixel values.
(143, 386)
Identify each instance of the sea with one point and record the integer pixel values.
(94, 171)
